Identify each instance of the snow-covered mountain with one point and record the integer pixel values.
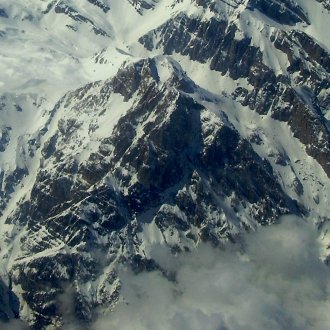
(129, 123)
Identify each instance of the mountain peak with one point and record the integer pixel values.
(126, 125)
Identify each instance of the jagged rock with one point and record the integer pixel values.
(3, 13)
(214, 40)
(152, 150)
(284, 12)
(5, 138)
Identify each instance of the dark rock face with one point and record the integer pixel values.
(214, 41)
(10, 181)
(62, 8)
(105, 7)
(167, 155)
(44, 280)
(5, 138)
(284, 12)
(325, 3)
(313, 64)
(9, 303)
(3, 13)
(140, 5)
(181, 144)
(170, 160)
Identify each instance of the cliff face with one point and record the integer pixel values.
(194, 120)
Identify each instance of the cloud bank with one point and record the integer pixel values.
(278, 283)
(274, 280)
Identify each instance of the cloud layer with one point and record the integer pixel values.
(278, 283)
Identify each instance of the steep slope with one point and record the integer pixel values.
(186, 122)
(301, 101)
(135, 149)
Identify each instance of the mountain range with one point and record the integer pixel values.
(125, 124)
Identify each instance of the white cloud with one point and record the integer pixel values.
(278, 283)
(274, 280)
(13, 325)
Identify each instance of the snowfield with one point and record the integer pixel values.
(91, 94)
